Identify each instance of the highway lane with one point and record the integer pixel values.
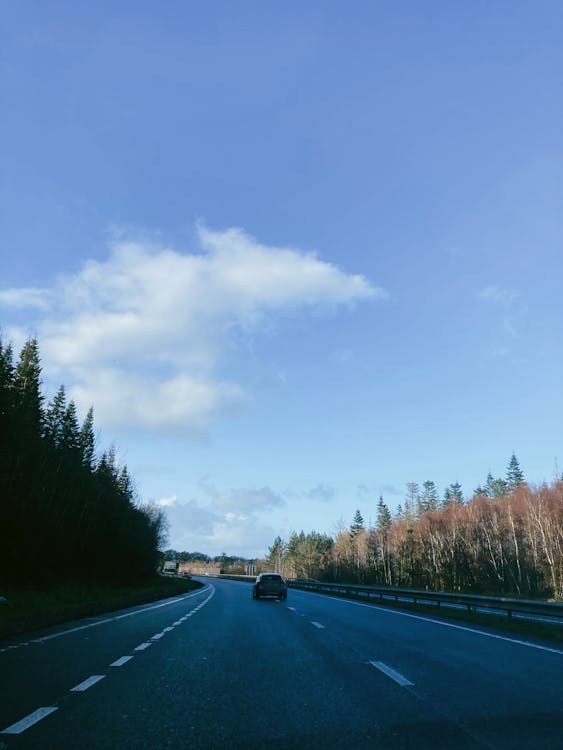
(37, 668)
(311, 672)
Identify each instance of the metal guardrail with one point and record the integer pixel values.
(416, 596)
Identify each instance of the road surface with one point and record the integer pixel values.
(214, 669)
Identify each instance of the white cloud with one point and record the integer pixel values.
(242, 500)
(498, 295)
(25, 297)
(322, 492)
(195, 527)
(250, 500)
(371, 494)
(166, 502)
(512, 307)
(141, 334)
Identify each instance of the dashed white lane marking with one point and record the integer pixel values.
(175, 624)
(87, 683)
(394, 675)
(32, 718)
(29, 720)
(157, 636)
(102, 622)
(121, 661)
(445, 624)
(292, 609)
(317, 624)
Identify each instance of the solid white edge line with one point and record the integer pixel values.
(142, 646)
(29, 720)
(317, 624)
(392, 673)
(121, 661)
(438, 622)
(117, 617)
(82, 686)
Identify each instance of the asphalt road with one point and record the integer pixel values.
(223, 671)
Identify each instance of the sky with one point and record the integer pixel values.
(295, 255)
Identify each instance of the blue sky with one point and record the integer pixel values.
(296, 255)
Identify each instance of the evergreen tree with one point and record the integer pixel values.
(87, 441)
(81, 516)
(489, 485)
(456, 493)
(54, 418)
(383, 515)
(27, 389)
(6, 383)
(496, 488)
(428, 499)
(70, 436)
(357, 525)
(277, 554)
(126, 486)
(514, 474)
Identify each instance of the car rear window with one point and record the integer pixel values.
(272, 579)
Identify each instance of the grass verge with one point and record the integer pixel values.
(514, 626)
(27, 609)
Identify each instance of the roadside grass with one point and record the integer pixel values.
(26, 609)
(513, 626)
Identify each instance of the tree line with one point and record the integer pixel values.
(507, 539)
(66, 512)
(226, 561)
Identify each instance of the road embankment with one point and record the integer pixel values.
(30, 609)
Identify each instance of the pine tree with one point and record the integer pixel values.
(383, 515)
(514, 474)
(6, 383)
(70, 437)
(456, 493)
(88, 441)
(54, 418)
(126, 485)
(27, 389)
(496, 488)
(357, 525)
(429, 498)
(277, 554)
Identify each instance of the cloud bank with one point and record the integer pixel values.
(141, 334)
(196, 526)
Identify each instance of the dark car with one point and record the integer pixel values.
(269, 584)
